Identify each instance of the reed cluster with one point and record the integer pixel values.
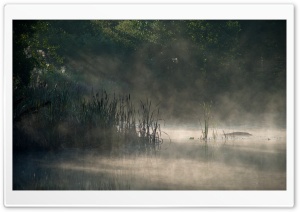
(72, 119)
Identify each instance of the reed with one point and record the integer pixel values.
(205, 119)
(148, 127)
(98, 121)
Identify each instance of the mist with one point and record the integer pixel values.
(195, 84)
(241, 164)
(237, 95)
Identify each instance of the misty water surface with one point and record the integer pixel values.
(257, 162)
(75, 82)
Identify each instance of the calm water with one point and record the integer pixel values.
(257, 162)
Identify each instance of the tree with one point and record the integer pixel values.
(32, 50)
(23, 61)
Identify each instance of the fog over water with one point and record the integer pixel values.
(180, 95)
(213, 91)
(257, 162)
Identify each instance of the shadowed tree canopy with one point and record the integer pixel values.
(176, 60)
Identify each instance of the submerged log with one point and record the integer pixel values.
(238, 134)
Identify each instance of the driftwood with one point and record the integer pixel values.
(238, 134)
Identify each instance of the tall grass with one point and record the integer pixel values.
(98, 120)
(149, 127)
(205, 119)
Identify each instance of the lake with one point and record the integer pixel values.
(256, 162)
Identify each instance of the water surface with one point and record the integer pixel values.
(257, 162)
